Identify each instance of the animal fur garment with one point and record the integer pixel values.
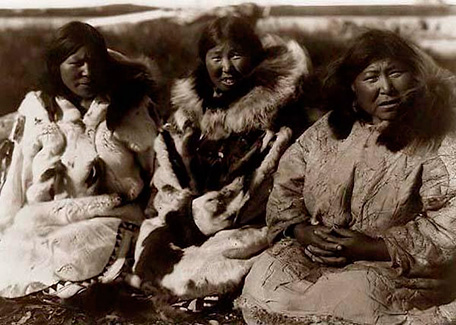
(214, 174)
(71, 183)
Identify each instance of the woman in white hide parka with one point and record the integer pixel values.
(83, 153)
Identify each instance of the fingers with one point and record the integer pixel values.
(267, 139)
(327, 260)
(234, 187)
(327, 241)
(332, 261)
(334, 247)
(319, 251)
(343, 232)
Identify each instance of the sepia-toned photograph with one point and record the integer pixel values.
(214, 162)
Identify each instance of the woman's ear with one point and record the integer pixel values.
(353, 88)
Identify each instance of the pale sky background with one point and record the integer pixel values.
(16, 4)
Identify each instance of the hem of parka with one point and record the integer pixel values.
(215, 267)
(254, 314)
(298, 290)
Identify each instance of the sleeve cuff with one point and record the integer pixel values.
(285, 229)
(289, 231)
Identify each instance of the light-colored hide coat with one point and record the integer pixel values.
(55, 223)
(407, 198)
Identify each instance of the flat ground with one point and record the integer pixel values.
(113, 305)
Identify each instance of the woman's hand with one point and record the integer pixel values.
(336, 247)
(357, 246)
(320, 245)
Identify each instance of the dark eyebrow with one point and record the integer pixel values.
(371, 71)
(78, 58)
(395, 67)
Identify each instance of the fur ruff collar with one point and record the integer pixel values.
(33, 108)
(137, 130)
(255, 110)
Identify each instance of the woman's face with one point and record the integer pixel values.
(227, 66)
(380, 88)
(75, 72)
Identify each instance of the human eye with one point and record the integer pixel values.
(370, 77)
(216, 58)
(77, 63)
(236, 55)
(396, 73)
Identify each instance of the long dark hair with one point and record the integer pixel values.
(124, 81)
(231, 29)
(66, 41)
(428, 111)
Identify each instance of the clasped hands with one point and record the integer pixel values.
(337, 246)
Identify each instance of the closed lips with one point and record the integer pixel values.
(84, 81)
(390, 102)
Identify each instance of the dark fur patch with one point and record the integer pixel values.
(163, 246)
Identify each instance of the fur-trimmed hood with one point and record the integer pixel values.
(255, 110)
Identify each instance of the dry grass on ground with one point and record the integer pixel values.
(113, 305)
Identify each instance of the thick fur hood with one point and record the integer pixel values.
(275, 85)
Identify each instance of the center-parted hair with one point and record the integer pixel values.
(235, 30)
(68, 40)
(232, 29)
(124, 81)
(426, 110)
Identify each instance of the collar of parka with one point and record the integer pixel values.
(255, 110)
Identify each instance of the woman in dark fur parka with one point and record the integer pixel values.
(216, 158)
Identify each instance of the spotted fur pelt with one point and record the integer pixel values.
(199, 226)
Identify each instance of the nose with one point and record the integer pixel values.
(85, 71)
(386, 86)
(226, 64)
